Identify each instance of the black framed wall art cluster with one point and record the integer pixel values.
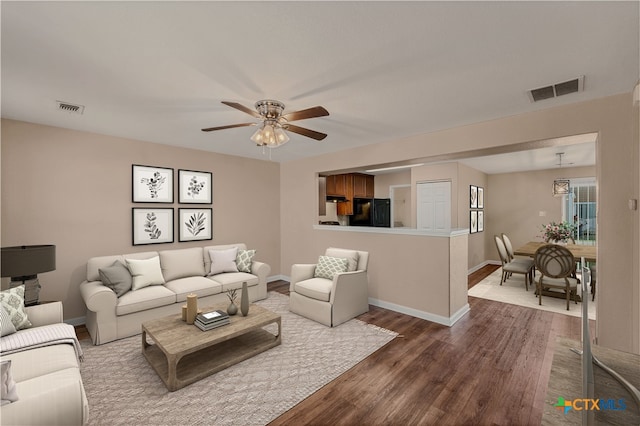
(155, 225)
(476, 214)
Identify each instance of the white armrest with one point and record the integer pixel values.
(45, 314)
(98, 297)
(301, 272)
(349, 295)
(261, 270)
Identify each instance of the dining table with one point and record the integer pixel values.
(578, 250)
(589, 252)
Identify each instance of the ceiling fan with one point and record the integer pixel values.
(271, 132)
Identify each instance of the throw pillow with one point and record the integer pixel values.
(13, 301)
(145, 272)
(223, 261)
(117, 277)
(5, 321)
(328, 266)
(244, 260)
(7, 384)
(352, 256)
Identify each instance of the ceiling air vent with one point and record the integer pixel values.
(558, 89)
(70, 108)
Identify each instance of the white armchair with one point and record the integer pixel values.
(331, 302)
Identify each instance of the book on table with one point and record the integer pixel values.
(211, 320)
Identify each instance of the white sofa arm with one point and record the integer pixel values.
(98, 297)
(301, 272)
(45, 314)
(349, 295)
(261, 270)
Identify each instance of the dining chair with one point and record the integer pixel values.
(513, 258)
(509, 267)
(555, 265)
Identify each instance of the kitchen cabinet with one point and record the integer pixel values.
(337, 185)
(362, 185)
(345, 183)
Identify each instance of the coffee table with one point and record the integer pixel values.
(182, 354)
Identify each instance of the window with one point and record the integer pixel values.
(580, 205)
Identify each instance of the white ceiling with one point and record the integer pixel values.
(157, 71)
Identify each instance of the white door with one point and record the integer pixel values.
(434, 206)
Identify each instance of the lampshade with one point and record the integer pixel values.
(561, 187)
(23, 261)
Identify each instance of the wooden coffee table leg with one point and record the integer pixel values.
(172, 371)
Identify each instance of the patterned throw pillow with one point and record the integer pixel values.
(13, 301)
(5, 322)
(328, 266)
(244, 260)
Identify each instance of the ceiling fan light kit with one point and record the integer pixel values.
(271, 132)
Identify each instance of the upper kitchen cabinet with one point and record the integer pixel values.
(339, 185)
(362, 185)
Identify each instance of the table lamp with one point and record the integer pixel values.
(24, 263)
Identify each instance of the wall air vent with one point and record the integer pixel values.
(70, 108)
(558, 89)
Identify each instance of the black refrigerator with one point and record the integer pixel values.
(371, 212)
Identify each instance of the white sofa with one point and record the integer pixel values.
(184, 271)
(331, 301)
(48, 382)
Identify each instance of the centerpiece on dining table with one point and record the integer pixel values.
(558, 232)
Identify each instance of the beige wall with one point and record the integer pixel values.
(73, 189)
(612, 117)
(515, 201)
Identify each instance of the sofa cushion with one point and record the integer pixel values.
(244, 260)
(232, 280)
(12, 300)
(207, 259)
(117, 277)
(7, 384)
(145, 298)
(352, 256)
(328, 266)
(29, 364)
(95, 263)
(200, 286)
(145, 272)
(223, 261)
(5, 321)
(315, 288)
(182, 263)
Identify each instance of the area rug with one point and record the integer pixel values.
(512, 291)
(123, 389)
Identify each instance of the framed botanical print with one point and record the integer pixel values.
(152, 226)
(473, 221)
(195, 187)
(480, 220)
(473, 196)
(152, 184)
(480, 197)
(195, 224)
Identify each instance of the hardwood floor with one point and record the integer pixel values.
(491, 368)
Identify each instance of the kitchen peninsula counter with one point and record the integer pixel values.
(396, 231)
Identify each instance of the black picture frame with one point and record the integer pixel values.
(151, 184)
(195, 224)
(473, 196)
(480, 220)
(473, 221)
(151, 226)
(195, 187)
(480, 197)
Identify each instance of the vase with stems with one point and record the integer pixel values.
(232, 309)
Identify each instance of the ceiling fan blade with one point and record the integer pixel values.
(317, 111)
(230, 126)
(243, 108)
(305, 132)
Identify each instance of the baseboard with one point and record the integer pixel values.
(278, 278)
(76, 321)
(482, 265)
(448, 321)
